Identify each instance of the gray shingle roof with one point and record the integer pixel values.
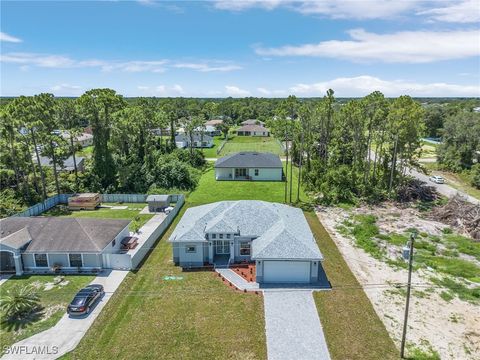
(67, 163)
(249, 159)
(257, 128)
(63, 234)
(159, 198)
(280, 231)
(252, 122)
(16, 240)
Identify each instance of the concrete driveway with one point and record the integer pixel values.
(67, 333)
(293, 326)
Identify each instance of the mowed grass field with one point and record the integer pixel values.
(209, 190)
(252, 143)
(351, 326)
(195, 317)
(130, 213)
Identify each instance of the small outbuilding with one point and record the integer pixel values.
(85, 201)
(158, 203)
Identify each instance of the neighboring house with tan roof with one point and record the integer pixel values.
(214, 122)
(276, 236)
(253, 130)
(253, 122)
(42, 244)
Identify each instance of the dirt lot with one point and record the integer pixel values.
(443, 319)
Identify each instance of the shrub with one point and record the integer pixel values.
(19, 302)
(475, 176)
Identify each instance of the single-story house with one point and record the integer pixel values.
(253, 122)
(249, 165)
(46, 244)
(276, 236)
(161, 131)
(214, 122)
(183, 141)
(253, 130)
(68, 164)
(157, 203)
(212, 130)
(84, 139)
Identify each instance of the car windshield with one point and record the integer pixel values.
(79, 300)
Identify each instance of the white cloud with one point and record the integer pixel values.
(337, 9)
(203, 67)
(241, 5)
(66, 90)
(235, 91)
(363, 85)
(155, 66)
(9, 38)
(467, 11)
(264, 91)
(404, 46)
(161, 90)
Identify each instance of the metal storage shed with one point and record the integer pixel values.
(158, 202)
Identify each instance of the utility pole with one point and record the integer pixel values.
(405, 320)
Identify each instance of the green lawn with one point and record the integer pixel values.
(212, 152)
(130, 213)
(351, 326)
(252, 143)
(53, 304)
(86, 151)
(209, 190)
(197, 317)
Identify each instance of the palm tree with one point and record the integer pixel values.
(19, 301)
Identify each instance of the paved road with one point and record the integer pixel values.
(293, 327)
(67, 333)
(443, 189)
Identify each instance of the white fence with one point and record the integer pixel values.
(150, 242)
(49, 203)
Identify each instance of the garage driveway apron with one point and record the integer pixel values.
(67, 333)
(293, 326)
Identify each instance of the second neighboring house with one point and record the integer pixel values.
(183, 141)
(214, 122)
(249, 165)
(253, 122)
(85, 139)
(43, 244)
(253, 130)
(68, 164)
(276, 236)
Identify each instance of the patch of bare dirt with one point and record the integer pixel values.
(452, 328)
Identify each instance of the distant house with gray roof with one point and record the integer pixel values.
(67, 164)
(249, 165)
(39, 244)
(183, 141)
(276, 236)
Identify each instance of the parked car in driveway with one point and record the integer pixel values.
(85, 299)
(437, 179)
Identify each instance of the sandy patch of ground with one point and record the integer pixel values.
(450, 328)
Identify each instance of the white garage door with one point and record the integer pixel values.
(286, 271)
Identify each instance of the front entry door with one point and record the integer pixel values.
(222, 247)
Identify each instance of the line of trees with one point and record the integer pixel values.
(359, 149)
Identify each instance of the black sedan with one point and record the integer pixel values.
(84, 300)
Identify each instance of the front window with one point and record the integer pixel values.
(244, 248)
(41, 260)
(221, 236)
(256, 172)
(75, 260)
(228, 236)
(214, 236)
(191, 249)
(113, 242)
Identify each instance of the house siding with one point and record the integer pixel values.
(28, 261)
(58, 259)
(113, 249)
(264, 174)
(187, 259)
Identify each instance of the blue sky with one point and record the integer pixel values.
(224, 48)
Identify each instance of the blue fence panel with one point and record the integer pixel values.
(49, 203)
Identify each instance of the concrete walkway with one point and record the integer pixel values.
(4, 278)
(293, 327)
(238, 281)
(67, 333)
